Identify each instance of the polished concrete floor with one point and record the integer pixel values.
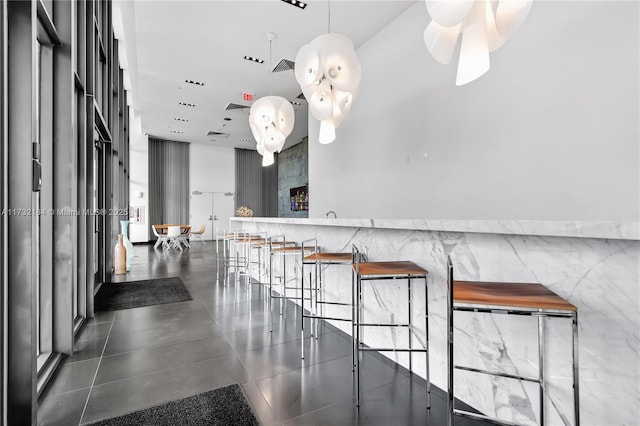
(131, 359)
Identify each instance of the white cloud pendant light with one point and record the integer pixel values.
(328, 72)
(485, 26)
(271, 120)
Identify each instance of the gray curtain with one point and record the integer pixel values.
(168, 182)
(256, 186)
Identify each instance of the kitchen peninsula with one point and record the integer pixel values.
(594, 265)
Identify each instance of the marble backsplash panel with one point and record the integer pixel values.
(600, 276)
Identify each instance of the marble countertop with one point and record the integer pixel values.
(573, 229)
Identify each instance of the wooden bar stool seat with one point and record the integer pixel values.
(530, 299)
(279, 247)
(237, 252)
(390, 270)
(318, 299)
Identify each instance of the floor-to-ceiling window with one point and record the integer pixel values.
(43, 197)
(61, 105)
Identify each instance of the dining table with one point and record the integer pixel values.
(162, 228)
(184, 231)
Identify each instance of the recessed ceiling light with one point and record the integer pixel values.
(296, 103)
(251, 58)
(182, 119)
(297, 3)
(244, 140)
(197, 83)
(177, 132)
(186, 104)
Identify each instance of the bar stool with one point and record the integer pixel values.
(258, 255)
(236, 252)
(278, 246)
(318, 260)
(511, 299)
(378, 271)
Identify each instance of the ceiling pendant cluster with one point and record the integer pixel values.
(271, 119)
(328, 69)
(328, 72)
(485, 25)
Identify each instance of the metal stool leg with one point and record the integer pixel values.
(450, 390)
(354, 322)
(576, 380)
(428, 353)
(302, 316)
(541, 368)
(410, 325)
(270, 291)
(359, 314)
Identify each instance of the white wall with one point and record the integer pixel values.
(211, 169)
(138, 177)
(551, 132)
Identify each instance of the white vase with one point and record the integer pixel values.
(124, 225)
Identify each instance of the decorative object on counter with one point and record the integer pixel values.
(328, 72)
(244, 211)
(485, 26)
(120, 257)
(124, 228)
(271, 119)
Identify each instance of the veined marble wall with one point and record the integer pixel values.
(600, 276)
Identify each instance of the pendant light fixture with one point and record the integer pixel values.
(485, 26)
(271, 119)
(328, 72)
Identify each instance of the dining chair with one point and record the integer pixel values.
(174, 234)
(161, 238)
(199, 234)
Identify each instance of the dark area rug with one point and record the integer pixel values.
(133, 294)
(224, 407)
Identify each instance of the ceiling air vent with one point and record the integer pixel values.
(231, 106)
(284, 65)
(214, 133)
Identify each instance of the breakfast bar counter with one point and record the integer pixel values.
(593, 265)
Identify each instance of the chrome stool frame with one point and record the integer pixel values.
(318, 260)
(378, 271)
(237, 252)
(533, 300)
(278, 246)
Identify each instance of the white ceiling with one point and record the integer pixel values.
(171, 41)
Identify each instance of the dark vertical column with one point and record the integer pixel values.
(21, 301)
(81, 146)
(64, 180)
(89, 220)
(3, 206)
(111, 230)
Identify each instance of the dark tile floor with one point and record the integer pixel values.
(132, 359)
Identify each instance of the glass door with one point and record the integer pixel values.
(98, 212)
(42, 200)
